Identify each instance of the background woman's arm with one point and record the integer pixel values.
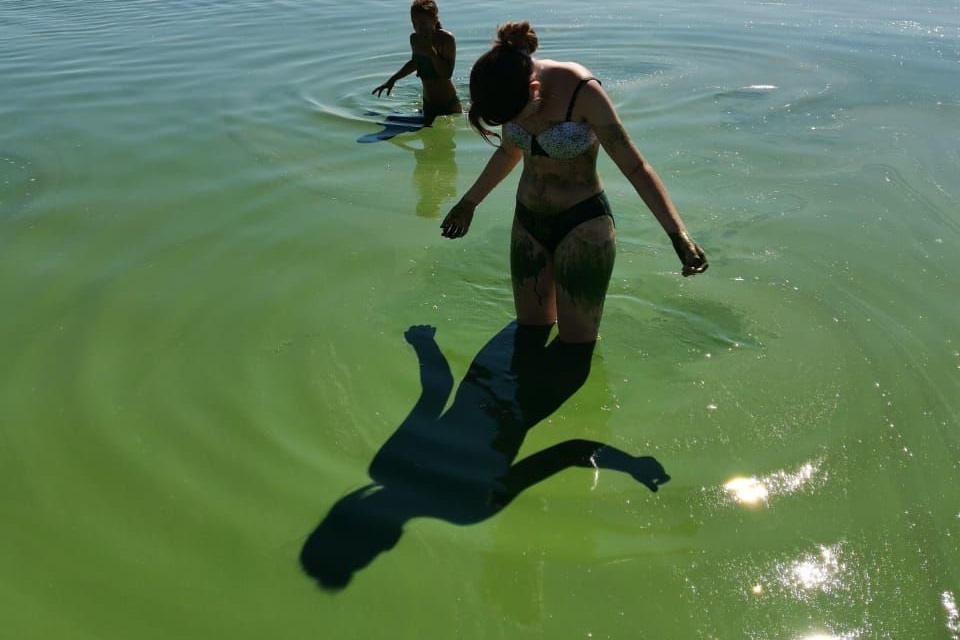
(405, 70)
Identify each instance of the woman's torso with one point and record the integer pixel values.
(560, 148)
(436, 88)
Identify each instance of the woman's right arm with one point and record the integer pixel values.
(405, 70)
(498, 167)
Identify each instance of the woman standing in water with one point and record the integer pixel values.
(434, 52)
(554, 116)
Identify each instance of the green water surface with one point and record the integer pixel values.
(206, 282)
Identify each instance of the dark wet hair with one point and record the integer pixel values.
(427, 8)
(500, 78)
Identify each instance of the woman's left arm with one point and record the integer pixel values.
(603, 118)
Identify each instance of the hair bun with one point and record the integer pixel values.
(519, 36)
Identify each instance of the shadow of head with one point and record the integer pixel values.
(357, 529)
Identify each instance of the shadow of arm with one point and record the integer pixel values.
(436, 380)
(579, 453)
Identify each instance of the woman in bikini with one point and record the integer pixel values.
(434, 54)
(554, 116)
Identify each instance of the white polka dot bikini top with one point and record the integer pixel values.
(562, 141)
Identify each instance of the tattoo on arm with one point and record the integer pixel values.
(615, 136)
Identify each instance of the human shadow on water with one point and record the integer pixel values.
(394, 125)
(458, 464)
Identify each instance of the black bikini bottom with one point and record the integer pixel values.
(549, 230)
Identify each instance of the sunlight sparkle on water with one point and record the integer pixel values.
(747, 491)
(753, 491)
(821, 571)
(953, 615)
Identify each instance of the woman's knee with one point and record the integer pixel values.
(577, 334)
(535, 302)
(578, 323)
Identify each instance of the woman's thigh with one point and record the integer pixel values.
(532, 273)
(583, 265)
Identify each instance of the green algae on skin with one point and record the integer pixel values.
(585, 273)
(526, 262)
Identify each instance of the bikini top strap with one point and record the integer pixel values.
(576, 90)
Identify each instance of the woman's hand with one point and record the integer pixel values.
(690, 254)
(386, 86)
(457, 222)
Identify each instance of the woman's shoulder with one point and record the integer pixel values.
(566, 70)
(579, 70)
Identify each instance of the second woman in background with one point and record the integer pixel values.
(434, 53)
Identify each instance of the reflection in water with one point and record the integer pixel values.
(435, 172)
(458, 464)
